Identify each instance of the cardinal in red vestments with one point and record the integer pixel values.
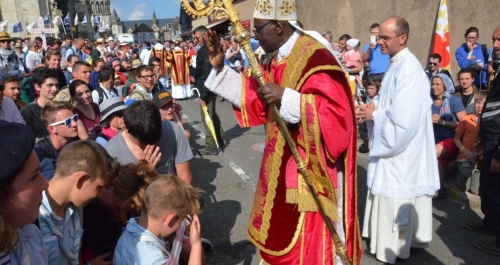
(309, 87)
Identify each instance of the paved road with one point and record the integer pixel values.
(229, 183)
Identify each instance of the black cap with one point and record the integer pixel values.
(16, 145)
(162, 98)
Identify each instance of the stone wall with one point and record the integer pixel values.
(26, 11)
(355, 17)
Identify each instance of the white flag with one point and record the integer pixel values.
(84, 21)
(4, 25)
(76, 20)
(56, 20)
(92, 20)
(30, 26)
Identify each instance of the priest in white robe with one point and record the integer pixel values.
(402, 168)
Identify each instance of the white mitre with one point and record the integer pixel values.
(287, 10)
(275, 10)
(158, 46)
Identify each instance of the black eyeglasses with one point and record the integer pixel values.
(256, 31)
(3, 41)
(168, 106)
(147, 76)
(67, 121)
(431, 63)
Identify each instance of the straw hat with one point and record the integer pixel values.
(4, 36)
(136, 63)
(100, 40)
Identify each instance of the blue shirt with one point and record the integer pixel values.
(378, 62)
(442, 132)
(477, 57)
(62, 236)
(139, 246)
(30, 248)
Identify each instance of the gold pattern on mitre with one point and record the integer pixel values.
(276, 10)
(288, 7)
(264, 7)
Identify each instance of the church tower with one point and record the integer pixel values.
(155, 27)
(116, 24)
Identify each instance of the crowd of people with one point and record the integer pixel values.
(96, 159)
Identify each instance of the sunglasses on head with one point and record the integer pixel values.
(66, 122)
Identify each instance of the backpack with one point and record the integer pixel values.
(128, 89)
(25, 87)
(138, 92)
(101, 93)
(97, 132)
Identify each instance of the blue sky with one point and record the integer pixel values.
(136, 10)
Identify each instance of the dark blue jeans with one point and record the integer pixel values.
(489, 190)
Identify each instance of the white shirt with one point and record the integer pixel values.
(105, 95)
(145, 54)
(402, 161)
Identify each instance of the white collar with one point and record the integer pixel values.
(149, 94)
(400, 55)
(286, 49)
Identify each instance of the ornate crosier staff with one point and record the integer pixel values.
(242, 37)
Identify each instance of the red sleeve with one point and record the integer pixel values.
(253, 110)
(334, 110)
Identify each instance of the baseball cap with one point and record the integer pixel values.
(162, 98)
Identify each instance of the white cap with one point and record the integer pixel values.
(275, 10)
(352, 42)
(110, 38)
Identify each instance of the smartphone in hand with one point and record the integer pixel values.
(373, 39)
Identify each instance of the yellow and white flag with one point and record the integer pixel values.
(442, 36)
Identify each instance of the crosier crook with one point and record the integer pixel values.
(242, 37)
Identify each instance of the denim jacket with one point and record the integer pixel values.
(139, 246)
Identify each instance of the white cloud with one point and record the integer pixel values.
(118, 10)
(138, 12)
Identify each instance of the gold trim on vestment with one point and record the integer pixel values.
(243, 108)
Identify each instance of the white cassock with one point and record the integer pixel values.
(402, 168)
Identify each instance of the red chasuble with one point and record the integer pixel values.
(162, 54)
(285, 223)
(179, 61)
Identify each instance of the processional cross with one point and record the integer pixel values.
(42, 30)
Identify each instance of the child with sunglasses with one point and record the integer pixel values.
(62, 125)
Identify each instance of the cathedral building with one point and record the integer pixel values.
(28, 11)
